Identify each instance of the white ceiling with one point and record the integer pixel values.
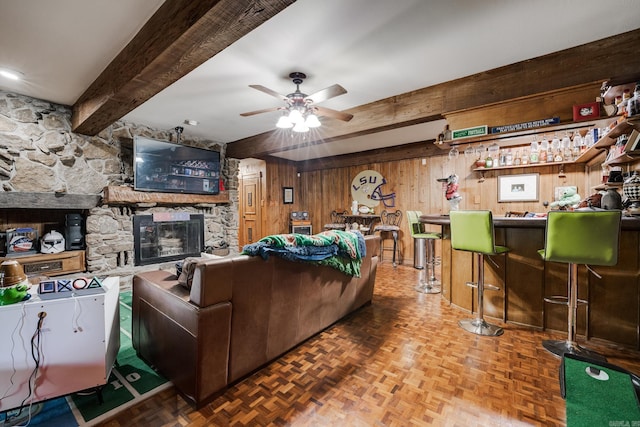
(373, 48)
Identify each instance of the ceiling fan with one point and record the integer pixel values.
(300, 111)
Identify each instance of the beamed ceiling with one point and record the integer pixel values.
(182, 38)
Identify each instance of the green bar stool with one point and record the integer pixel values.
(472, 231)
(579, 237)
(430, 284)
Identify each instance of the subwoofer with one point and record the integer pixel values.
(74, 232)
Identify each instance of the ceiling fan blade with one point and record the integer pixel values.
(326, 93)
(328, 112)
(269, 92)
(265, 110)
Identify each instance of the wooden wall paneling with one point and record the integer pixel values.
(548, 105)
(614, 307)
(524, 267)
(446, 269)
(555, 283)
(494, 274)
(462, 264)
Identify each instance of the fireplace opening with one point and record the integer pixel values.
(167, 236)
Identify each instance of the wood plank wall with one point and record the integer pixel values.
(414, 183)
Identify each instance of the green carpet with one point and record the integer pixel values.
(131, 381)
(599, 397)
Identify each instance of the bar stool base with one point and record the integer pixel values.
(480, 327)
(430, 287)
(559, 348)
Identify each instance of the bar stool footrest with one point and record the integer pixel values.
(487, 287)
(562, 300)
(480, 327)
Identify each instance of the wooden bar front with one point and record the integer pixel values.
(525, 280)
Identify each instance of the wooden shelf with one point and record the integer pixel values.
(522, 137)
(122, 195)
(528, 165)
(65, 262)
(624, 126)
(608, 185)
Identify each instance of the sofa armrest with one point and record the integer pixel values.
(186, 343)
(212, 282)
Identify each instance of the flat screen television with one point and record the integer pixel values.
(168, 167)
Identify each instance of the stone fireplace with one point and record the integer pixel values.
(164, 237)
(47, 171)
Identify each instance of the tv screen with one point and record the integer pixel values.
(173, 168)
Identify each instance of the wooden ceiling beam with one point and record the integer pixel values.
(606, 59)
(179, 37)
(379, 155)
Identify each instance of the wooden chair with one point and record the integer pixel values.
(516, 214)
(337, 221)
(390, 223)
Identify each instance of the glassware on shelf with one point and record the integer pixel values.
(453, 153)
(469, 151)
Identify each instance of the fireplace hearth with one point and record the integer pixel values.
(167, 236)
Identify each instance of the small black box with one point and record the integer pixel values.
(73, 232)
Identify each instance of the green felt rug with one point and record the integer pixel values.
(604, 398)
(131, 381)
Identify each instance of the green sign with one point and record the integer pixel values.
(469, 132)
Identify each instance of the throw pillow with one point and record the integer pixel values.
(185, 277)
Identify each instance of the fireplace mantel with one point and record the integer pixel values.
(124, 195)
(22, 200)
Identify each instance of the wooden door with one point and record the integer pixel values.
(250, 202)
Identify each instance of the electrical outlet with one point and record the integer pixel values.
(424, 162)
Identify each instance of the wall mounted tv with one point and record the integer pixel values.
(167, 167)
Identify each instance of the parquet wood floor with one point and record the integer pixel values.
(402, 361)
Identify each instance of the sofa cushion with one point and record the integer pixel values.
(188, 266)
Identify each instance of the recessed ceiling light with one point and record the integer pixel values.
(11, 74)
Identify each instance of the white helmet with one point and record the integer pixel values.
(52, 243)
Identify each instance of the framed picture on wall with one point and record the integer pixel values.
(287, 195)
(518, 188)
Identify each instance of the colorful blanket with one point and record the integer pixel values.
(342, 250)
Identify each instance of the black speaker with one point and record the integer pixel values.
(73, 232)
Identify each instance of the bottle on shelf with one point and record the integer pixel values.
(508, 158)
(534, 155)
(543, 155)
(517, 159)
(503, 157)
(525, 156)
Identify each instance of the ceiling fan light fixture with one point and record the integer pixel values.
(300, 127)
(295, 116)
(284, 123)
(312, 121)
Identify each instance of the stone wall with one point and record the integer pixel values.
(40, 154)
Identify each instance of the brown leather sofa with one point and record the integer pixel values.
(241, 313)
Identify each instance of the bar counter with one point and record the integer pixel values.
(524, 279)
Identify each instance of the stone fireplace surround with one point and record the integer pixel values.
(43, 165)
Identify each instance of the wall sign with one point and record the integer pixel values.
(366, 190)
(469, 132)
(526, 125)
